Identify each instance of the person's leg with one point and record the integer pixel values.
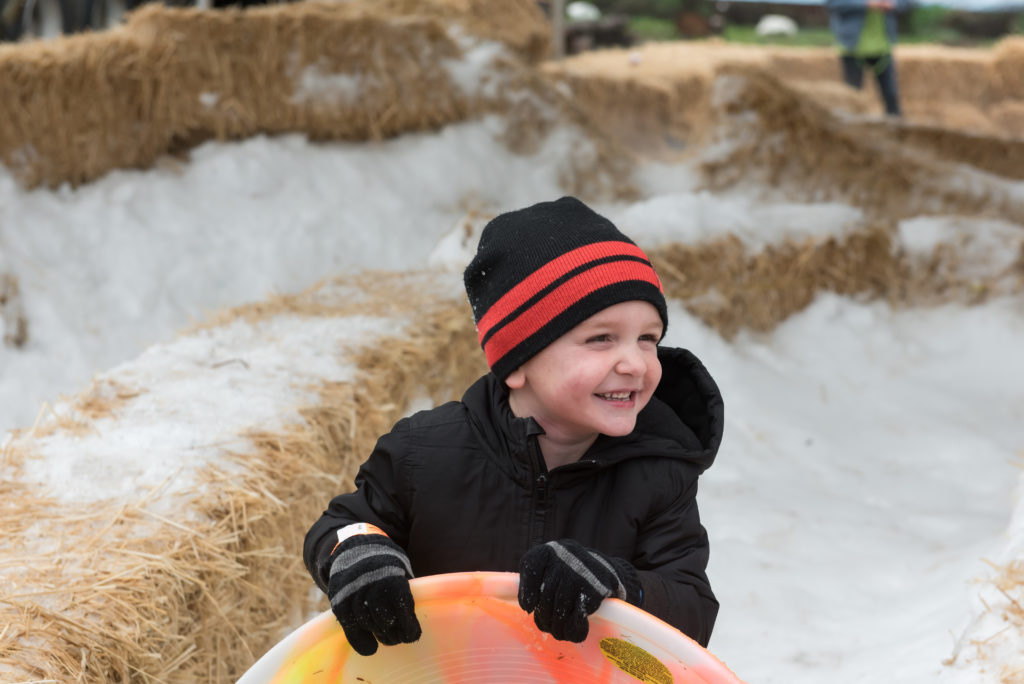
(853, 71)
(885, 73)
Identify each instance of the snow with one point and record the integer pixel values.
(471, 72)
(861, 485)
(982, 246)
(318, 83)
(701, 216)
(188, 403)
(871, 456)
(114, 266)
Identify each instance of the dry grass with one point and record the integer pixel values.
(657, 97)
(731, 290)
(120, 593)
(80, 106)
(13, 323)
(777, 138)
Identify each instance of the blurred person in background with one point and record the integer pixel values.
(866, 32)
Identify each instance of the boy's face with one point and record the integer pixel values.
(596, 378)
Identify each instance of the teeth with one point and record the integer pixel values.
(617, 396)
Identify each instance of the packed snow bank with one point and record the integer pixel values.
(109, 268)
(861, 488)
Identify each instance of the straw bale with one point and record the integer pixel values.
(120, 593)
(1008, 117)
(599, 168)
(70, 102)
(774, 136)
(652, 99)
(13, 322)
(946, 74)
(661, 62)
(963, 116)
(642, 116)
(656, 99)
(732, 290)
(805, 64)
(371, 69)
(173, 77)
(996, 154)
(837, 97)
(1008, 67)
(522, 26)
(387, 71)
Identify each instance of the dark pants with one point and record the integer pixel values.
(885, 74)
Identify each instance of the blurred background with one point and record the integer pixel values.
(616, 22)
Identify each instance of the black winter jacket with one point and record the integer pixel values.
(464, 487)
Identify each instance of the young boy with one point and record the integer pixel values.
(574, 461)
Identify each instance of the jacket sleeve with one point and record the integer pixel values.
(672, 557)
(379, 498)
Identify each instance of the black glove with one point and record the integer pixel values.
(562, 582)
(368, 586)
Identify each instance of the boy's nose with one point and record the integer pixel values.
(631, 362)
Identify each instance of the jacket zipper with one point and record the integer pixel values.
(540, 497)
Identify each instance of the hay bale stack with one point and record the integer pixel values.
(960, 116)
(520, 25)
(943, 74)
(654, 99)
(779, 138)
(173, 77)
(926, 72)
(337, 71)
(192, 579)
(78, 106)
(805, 64)
(1008, 117)
(1008, 67)
(732, 289)
(643, 116)
(837, 97)
(996, 153)
(660, 93)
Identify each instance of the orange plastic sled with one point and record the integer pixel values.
(475, 631)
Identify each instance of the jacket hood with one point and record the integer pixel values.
(684, 419)
(689, 392)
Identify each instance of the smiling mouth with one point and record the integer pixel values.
(616, 396)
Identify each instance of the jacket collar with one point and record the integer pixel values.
(684, 419)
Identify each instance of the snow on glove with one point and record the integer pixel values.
(368, 587)
(563, 582)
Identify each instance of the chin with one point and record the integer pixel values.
(619, 431)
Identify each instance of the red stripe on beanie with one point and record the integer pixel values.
(552, 271)
(562, 297)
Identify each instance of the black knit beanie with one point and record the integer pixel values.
(540, 271)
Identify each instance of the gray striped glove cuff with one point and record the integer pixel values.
(368, 586)
(563, 582)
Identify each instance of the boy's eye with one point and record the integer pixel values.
(649, 338)
(599, 338)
